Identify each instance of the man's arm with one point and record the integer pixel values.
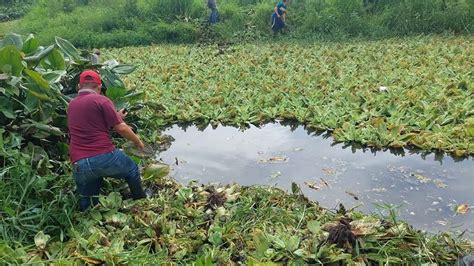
(125, 131)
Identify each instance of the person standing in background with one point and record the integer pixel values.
(279, 16)
(214, 13)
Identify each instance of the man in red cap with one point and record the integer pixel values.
(90, 118)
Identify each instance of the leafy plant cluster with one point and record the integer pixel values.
(36, 84)
(194, 224)
(143, 22)
(392, 93)
(14, 9)
(205, 225)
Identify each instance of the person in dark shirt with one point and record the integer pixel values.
(214, 13)
(279, 16)
(93, 155)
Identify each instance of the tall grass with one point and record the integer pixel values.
(104, 23)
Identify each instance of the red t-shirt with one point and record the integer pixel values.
(90, 118)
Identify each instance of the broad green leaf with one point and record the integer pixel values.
(10, 58)
(110, 79)
(68, 49)
(215, 235)
(56, 60)
(43, 127)
(55, 76)
(42, 53)
(314, 226)
(31, 45)
(31, 102)
(36, 91)
(13, 39)
(124, 69)
(116, 93)
(112, 201)
(6, 107)
(37, 78)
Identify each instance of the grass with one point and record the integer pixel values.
(8, 26)
(142, 22)
(390, 93)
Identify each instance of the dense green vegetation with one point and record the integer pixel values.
(394, 92)
(14, 9)
(142, 22)
(37, 190)
(205, 224)
(390, 93)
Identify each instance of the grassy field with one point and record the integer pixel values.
(9, 26)
(391, 93)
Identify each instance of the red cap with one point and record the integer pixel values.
(90, 76)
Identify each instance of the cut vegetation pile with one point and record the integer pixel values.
(204, 224)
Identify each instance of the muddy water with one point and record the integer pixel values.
(428, 187)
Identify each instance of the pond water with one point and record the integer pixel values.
(427, 186)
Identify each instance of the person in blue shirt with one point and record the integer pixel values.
(214, 13)
(279, 16)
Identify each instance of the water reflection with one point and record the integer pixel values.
(426, 185)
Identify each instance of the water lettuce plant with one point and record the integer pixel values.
(389, 93)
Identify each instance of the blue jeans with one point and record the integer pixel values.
(214, 16)
(89, 174)
(277, 23)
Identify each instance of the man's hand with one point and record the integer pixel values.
(140, 146)
(125, 131)
(122, 113)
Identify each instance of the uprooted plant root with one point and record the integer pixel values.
(216, 199)
(342, 235)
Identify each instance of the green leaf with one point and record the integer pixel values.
(10, 58)
(314, 226)
(54, 76)
(110, 79)
(293, 243)
(41, 239)
(36, 91)
(31, 45)
(13, 39)
(6, 107)
(37, 78)
(43, 127)
(34, 59)
(215, 235)
(124, 69)
(68, 49)
(56, 60)
(112, 201)
(116, 93)
(31, 102)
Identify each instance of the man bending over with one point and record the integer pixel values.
(90, 118)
